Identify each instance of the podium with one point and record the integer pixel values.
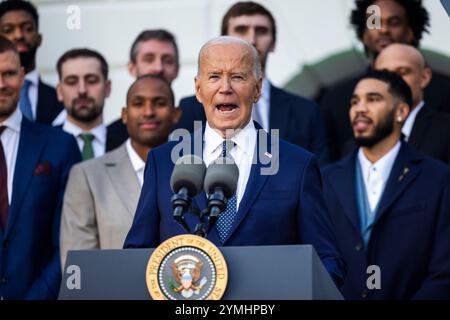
(254, 273)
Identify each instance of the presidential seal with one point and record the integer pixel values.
(186, 267)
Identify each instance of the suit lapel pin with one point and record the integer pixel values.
(405, 171)
(268, 155)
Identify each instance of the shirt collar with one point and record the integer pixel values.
(244, 139)
(14, 121)
(383, 166)
(99, 131)
(33, 77)
(409, 123)
(136, 161)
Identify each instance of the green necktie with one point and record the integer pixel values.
(88, 150)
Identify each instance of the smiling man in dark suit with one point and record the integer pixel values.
(297, 118)
(280, 207)
(34, 165)
(390, 206)
(19, 22)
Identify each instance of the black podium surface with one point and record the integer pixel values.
(254, 273)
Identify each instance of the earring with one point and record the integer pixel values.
(399, 119)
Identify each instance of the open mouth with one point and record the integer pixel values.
(361, 124)
(226, 107)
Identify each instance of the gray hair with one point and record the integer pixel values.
(257, 71)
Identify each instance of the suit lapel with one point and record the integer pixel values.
(343, 183)
(404, 171)
(119, 169)
(277, 120)
(31, 144)
(420, 127)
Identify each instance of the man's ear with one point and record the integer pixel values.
(124, 115)
(177, 113)
(59, 92)
(258, 90)
(39, 42)
(107, 88)
(197, 90)
(425, 78)
(132, 69)
(402, 112)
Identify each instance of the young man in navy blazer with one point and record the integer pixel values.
(34, 165)
(278, 206)
(390, 206)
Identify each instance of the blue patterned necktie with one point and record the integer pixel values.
(25, 103)
(226, 219)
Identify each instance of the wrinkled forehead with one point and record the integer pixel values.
(229, 56)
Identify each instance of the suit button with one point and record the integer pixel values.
(364, 294)
(3, 280)
(358, 247)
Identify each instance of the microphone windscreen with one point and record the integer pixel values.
(223, 173)
(189, 172)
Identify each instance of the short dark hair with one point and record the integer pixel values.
(154, 34)
(416, 15)
(14, 5)
(248, 8)
(82, 52)
(6, 45)
(152, 76)
(396, 85)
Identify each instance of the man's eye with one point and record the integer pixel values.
(237, 77)
(213, 76)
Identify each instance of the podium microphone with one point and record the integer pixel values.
(220, 183)
(186, 182)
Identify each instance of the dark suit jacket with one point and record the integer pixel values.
(29, 255)
(411, 235)
(285, 208)
(335, 105)
(48, 106)
(431, 134)
(297, 118)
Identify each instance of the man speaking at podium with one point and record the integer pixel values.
(280, 208)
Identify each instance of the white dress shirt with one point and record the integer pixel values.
(242, 153)
(99, 132)
(376, 174)
(261, 109)
(33, 77)
(10, 140)
(136, 162)
(409, 123)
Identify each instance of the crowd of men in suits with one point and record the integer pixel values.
(363, 173)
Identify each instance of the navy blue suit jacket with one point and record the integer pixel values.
(281, 209)
(298, 119)
(29, 254)
(411, 235)
(48, 106)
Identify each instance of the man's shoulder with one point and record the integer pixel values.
(190, 101)
(54, 134)
(109, 159)
(293, 98)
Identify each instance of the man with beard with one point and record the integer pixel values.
(83, 87)
(19, 22)
(297, 119)
(389, 205)
(102, 193)
(35, 161)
